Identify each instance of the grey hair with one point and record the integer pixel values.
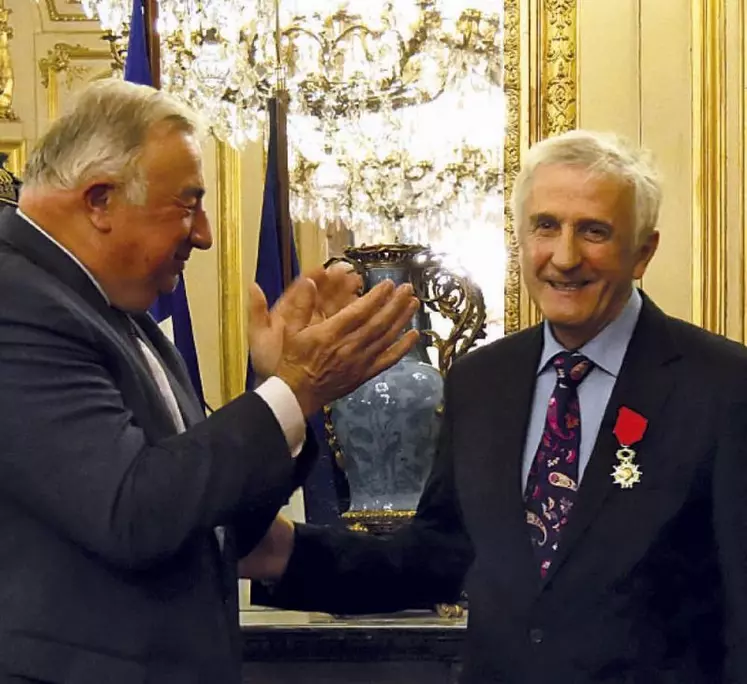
(103, 134)
(605, 154)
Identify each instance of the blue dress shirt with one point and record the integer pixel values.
(607, 351)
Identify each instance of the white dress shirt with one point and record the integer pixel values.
(607, 352)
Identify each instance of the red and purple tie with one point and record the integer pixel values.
(552, 485)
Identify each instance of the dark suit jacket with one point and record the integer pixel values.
(110, 571)
(650, 584)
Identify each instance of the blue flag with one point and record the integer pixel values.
(172, 306)
(137, 63)
(320, 494)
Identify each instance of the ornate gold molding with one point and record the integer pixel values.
(56, 15)
(540, 53)
(558, 76)
(513, 87)
(233, 346)
(61, 59)
(709, 165)
(7, 79)
(16, 151)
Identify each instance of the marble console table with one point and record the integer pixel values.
(286, 647)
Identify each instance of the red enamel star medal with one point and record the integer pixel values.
(629, 429)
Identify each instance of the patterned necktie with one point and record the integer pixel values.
(552, 484)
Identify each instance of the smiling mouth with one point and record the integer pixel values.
(563, 286)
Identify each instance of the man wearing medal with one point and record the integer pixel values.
(588, 488)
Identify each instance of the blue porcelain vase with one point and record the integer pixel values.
(386, 430)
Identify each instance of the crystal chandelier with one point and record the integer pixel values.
(407, 173)
(395, 109)
(336, 58)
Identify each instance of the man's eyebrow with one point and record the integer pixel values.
(593, 222)
(542, 215)
(584, 221)
(192, 192)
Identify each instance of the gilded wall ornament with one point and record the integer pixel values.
(56, 15)
(512, 47)
(7, 79)
(59, 60)
(66, 59)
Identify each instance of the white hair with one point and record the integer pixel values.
(605, 154)
(103, 134)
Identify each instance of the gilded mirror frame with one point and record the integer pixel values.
(540, 56)
(711, 173)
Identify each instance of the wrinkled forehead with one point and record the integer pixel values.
(568, 191)
(173, 156)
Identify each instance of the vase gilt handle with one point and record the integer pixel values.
(454, 295)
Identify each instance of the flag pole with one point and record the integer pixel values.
(280, 103)
(153, 41)
(281, 150)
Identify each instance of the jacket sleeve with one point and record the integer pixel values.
(730, 521)
(74, 455)
(341, 571)
(250, 529)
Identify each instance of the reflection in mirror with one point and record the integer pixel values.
(411, 150)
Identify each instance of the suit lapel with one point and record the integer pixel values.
(26, 239)
(645, 381)
(511, 413)
(173, 366)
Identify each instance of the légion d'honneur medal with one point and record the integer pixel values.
(629, 430)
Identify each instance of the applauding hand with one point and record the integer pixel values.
(323, 340)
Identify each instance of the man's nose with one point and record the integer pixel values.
(202, 234)
(566, 252)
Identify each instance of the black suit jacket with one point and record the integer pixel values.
(110, 571)
(650, 584)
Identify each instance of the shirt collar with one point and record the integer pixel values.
(66, 251)
(608, 348)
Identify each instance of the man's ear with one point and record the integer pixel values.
(97, 197)
(646, 252)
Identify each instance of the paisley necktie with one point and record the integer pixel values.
(552, 485)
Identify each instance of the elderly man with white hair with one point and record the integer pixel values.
(589, 485)
(123, 510)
